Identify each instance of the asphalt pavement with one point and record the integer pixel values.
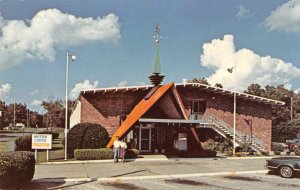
(147, 167)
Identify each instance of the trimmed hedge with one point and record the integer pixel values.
(101, 154)
(93, 154)
(23, 143)
(86, 136)
(16, 169)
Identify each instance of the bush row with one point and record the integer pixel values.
(16, 169)
(54, 134)
(101, 154)
(24, 143)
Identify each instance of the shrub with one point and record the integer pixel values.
(297, 151)
(265, 153)
(277, 152)
(23, 143)
(86, 136)
(132, 153)
(210, 144)
(277, 147)
(222, 145)
(54, 134)
(93, 154)
(16, 169)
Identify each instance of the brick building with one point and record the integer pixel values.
(179, 115)
(176, 116)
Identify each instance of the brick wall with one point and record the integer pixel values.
(221, 106)
(107, 109)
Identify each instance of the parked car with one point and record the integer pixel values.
(287, 167)
(293, 144)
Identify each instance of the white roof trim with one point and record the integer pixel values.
(216, 89)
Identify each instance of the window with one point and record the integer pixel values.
(198, 106)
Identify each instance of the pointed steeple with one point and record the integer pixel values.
(156, 78)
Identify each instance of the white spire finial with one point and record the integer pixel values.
(157, 37)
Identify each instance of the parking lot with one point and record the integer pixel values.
(226, 182)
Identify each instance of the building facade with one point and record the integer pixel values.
(176, 116)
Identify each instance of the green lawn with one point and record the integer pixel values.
(55, 154)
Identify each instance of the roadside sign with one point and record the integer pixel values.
(41, 141)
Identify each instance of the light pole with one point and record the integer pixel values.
(292, 102)
(230, 70)
(73, 57)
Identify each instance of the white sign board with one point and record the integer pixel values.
(41, 141)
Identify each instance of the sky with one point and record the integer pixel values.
(114, 45)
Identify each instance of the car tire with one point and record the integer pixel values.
(286, 172)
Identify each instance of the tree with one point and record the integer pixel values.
(55, 116)
(2, 110)
(55, 113)
(280, 114)
(219, 85)
(201, 80)
(255, 89)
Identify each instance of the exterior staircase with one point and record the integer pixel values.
(225, 130)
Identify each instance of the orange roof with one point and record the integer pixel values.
(138, 111)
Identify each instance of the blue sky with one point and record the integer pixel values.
(114, 45)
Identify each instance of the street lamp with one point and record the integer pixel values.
(230, 70)
(72, 57)
(292, 102)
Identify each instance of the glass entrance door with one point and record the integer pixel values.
(145, 139)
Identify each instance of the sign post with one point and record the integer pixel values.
(41, 141)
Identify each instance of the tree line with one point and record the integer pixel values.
(54, 115)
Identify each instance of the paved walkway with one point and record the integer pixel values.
(149, 166)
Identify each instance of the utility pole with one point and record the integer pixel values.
(292, 102)
(14, 122)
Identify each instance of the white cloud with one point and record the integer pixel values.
(37, 38)
(122, 83)
(285, 17)
(4, 90)
(220, 54)
(34, 92)
(243, 11)
(36, 103)
(81, 86)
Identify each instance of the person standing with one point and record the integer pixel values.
(123, 146)
(116, 148)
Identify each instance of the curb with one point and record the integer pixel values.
(250, 158)
(130, 160)
(60, 180)
(156, 159)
